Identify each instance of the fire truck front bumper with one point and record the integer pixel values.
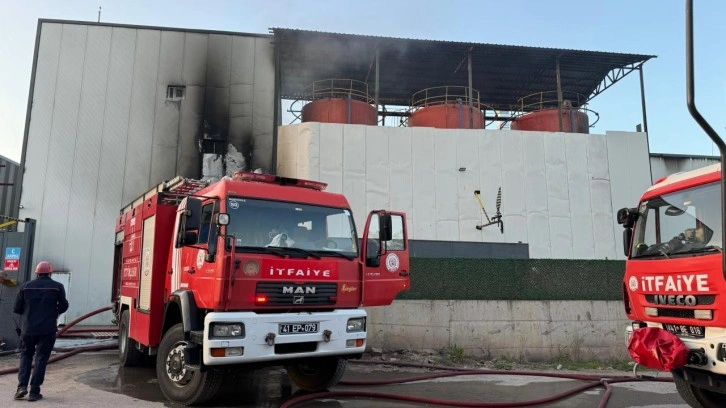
(246, 337)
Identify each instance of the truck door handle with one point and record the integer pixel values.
(404, 273)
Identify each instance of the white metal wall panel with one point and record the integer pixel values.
(354, 172)
(242, 75)
(558, 200)
(467, 158)
(33, 189)
(194, 77)
(141, 118)
(86, 163)
(513, 185)
(287, 151)
(377, 168)
(308, 152)
(447, 203)
(401, 176)
(601, 200)
(583, 245)
(629, 166)
(112, 162)
(535, 193)
(263, 109)
(52, 232)
(219, 61)
(331, 156)
(216, 91)
(195, 59)
(556, 187)
(423, 183)
(165, 140)
(490, 178)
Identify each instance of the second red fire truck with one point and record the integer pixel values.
(251, 270)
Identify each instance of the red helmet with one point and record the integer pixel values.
(43, 267)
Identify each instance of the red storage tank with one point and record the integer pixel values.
(339, 110)
(446, 107)
(539, 111)
(546, 120)
(339, 101)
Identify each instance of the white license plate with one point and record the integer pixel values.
(295, 328)
(685, 330)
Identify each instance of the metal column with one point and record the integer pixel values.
(471, 94)
(642, 100)
(377, 82)
(559, 92)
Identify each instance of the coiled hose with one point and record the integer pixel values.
(592, 382)
(67, 352)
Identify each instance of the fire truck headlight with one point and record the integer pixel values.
(356, 325)
(228, 330)
(703, 314)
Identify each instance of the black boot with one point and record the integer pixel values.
(35, 397)
(20, 393)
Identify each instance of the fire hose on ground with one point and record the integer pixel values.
(591, 381)
(68, 352)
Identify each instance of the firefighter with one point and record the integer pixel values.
(39, 303)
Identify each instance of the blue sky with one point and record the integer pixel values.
(654, 27)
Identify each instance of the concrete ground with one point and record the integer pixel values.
(95, 379)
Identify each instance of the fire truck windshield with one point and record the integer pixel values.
(322, 231)
(679, 223)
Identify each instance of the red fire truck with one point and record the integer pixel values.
(248, 271)
(675, 274)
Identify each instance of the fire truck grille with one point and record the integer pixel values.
(682, 313)
(290, 294)
(700, 299)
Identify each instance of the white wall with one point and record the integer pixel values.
(528, 330)
(101, 131)
(560, 191)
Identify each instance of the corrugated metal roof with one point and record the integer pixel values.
(501, 73)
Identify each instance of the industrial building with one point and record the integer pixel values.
(411, 125)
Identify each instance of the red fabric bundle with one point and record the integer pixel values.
(657, 349)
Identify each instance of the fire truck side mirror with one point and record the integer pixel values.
(385, 227)
(627, 216)
(373, 251)
(193, 214)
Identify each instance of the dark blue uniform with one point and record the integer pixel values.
(39, 303)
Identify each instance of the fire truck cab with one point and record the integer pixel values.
(674, 279)
(247, 271)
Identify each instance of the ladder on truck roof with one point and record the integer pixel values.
(170, 192)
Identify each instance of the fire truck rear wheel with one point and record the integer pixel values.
(128, 354)
(177, 381)
(698, 397)
(317, 374)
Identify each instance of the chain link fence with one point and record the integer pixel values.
(514, 279)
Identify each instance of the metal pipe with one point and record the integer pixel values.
(691, 102)
(559, 92)
(377, 81)
(642, 100)
(645, 117)
(471, 93)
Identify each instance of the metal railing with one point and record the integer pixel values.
(338, 88)
(549, 100)
(444, 94)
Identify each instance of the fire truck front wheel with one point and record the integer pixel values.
(698, 397)
(128, 354)
(177, 381)
(317, 374)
